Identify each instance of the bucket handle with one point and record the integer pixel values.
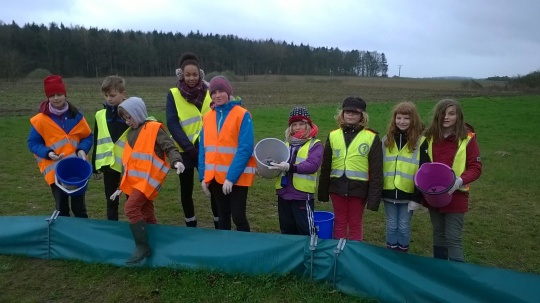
(69, 191)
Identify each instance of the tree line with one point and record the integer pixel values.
(76, 51)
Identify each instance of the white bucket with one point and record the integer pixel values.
(270, 150)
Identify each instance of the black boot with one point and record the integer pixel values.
(142, 250)
(191, 223)
(216, 224)
(440, 252)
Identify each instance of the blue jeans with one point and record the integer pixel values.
(398, 224)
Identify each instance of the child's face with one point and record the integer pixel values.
(450, 117)
(403, 122)
(298, 126)
(351, 117)
(129, 121)
(114, 97)
(58, 101)
(191, 75)
(219, 97)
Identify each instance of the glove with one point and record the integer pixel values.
(116, 194)
(283, 166)
(55, 157)
(81, 154)
(413, 206)
(457, 184)
(205, 188)
(227, 187)
(179, 167)
(97, 176)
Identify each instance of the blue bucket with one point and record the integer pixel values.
(72, 175)
(324, 223)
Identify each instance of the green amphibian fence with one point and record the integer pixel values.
(353, 267)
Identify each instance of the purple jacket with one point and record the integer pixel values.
(309, 166)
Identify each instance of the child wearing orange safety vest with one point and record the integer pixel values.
(59, 130)
(145, 166)
(226, 161)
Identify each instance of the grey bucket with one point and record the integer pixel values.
(270, 150)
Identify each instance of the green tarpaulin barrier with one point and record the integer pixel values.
(357, 268)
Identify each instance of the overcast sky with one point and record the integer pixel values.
(475, 38)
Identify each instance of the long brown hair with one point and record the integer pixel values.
(435, 129)
(415, 128)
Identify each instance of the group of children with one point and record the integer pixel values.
(210, 131)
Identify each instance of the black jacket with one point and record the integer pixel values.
(370, 191)
(401, 141)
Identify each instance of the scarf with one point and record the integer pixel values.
(58, 112)
(299, 137)
(196, 94)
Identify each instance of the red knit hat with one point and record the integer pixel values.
(299, 114)
(53, 85)
(221, 83)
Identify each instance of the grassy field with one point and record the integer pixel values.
(501, 228)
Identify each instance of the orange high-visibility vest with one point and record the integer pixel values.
(220, 148)
(143, 169)
(56, 139)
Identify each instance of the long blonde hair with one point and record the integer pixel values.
(435, 129)
(414, 132)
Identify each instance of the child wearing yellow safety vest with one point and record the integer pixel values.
(296, 186)
(108, 128)
(351, 171)
(187, 102)
(404, 151)
(453, 142)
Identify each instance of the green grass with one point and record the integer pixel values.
(501, 228)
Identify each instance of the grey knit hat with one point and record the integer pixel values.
(136, 108)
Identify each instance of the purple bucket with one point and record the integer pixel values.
(434, 180)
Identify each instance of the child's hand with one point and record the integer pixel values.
(412, 206)
(179, 167)
(116, 194)
(81, 154)
(97, 175)
(55, 157)
(457, 184)
(283, 166)
(227, 187)
(205, 188)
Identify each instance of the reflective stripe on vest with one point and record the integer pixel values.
(352, 161)
(104, 144)
(190, 117)
(460, 158)
(144, 170)
(220, 149)
(303, 182)
(399, 166)
(56, 139)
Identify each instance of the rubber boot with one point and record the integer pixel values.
(216, 224)
(142, 250)
(440, 252)
(191, 223)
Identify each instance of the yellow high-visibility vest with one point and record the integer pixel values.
(351, 161)
(400, 166)
(303, 182)
(460, 159)
(189, 115)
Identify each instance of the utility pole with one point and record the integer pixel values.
(399, 72)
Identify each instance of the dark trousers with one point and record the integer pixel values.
(78, 205)
(186, 194)
(293, 216)
(111, 181)
(233, 204)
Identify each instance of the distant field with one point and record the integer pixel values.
(501, 228)
(22, 98)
